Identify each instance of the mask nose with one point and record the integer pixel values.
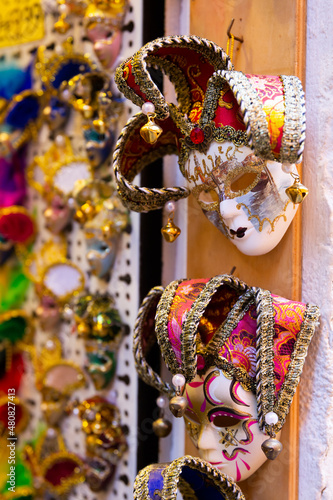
(207, 438)
(228, 208)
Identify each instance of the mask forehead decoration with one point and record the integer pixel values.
(220, 328)
(238, 135)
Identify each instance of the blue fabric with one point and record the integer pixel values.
(14, 80)
(202, 486)
(23, 112)
(68, 71)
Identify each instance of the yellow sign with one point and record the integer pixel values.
(20, 22)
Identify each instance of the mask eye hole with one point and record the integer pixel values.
(244, 182)
(226, 417)
(208, 196)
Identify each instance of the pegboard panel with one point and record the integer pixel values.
(123, 283)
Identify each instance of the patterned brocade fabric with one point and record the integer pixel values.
(239, 349)
(270, 92)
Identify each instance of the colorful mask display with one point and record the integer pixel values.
(104, 218)
(236, 354)
(54, 176)
(237, 138)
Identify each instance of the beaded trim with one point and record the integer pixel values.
(146, 373)
(141, 199)
(294, 120)
(171, 473)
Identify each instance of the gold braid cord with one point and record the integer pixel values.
(265, 355)
(145, 372)
(190, 326)
(162, 317)
(172, 481)
(215, 55)
(142, 199)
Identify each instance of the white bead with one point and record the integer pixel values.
(162, 402)
(178, 380)
(76, 411)
(58, 49)
(170, 207)
(148, 107)
(49, 345)
(287, 167)
(63, 9)
(68, 313)
(51, 433)
(71, 202)
(60, 141)
(65, 94)
(271, 418)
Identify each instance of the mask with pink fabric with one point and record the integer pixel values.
(236, 354)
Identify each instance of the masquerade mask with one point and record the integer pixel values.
(54, 177)
(229, 131)
(55, 469)
(98, 321)
(239, 352)
(103, 21)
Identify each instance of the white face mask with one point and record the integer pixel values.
(242, 195)
(222, 421)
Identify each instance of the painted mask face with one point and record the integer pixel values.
(98, 147)
(221, 419)
(57, 215)
(101, 255)
(107, 43)
(242, 195)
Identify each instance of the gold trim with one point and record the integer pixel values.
(145, 371)
(68, 483)
(67, 296)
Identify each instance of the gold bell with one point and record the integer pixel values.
(62, 26)
(170, 231)
(178, 405)
(272, 448)
(297, 192)
(162, 427)
(150, 132)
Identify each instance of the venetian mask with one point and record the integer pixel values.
(232, 351)
(237, 137)
(58, 214)
(242, 195)
(106, 42)
(222, 421)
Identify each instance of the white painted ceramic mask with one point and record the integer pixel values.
(242, 195)
(222, 422)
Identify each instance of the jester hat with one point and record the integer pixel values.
(253, 336)
(265, 113)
